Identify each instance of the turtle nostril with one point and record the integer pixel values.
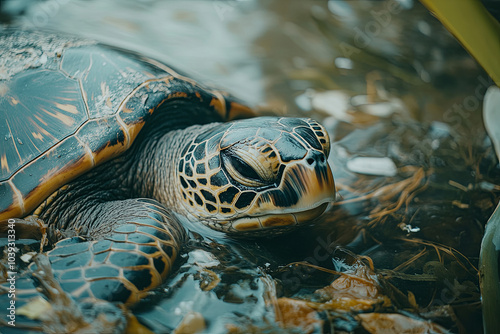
(316, 157)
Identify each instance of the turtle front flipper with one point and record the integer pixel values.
(130, 249)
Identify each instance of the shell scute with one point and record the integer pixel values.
(107, 76)
(39, 109)
(114, 143)
(48, 172)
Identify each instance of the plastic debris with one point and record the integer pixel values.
(356, 290)
(383, 166)
(492, 116)
(379, 109)
(26, 258)
(203, 259)
(333, 102)
(408, 228)
(344, 63)
(295, 313)
(393, 323)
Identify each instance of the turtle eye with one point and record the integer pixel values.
(241, 171)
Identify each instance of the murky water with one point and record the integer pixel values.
(272, 52)
(381, 67)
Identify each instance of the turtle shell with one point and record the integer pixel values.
(67, 105)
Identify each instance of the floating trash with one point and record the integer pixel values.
(372, 166)
(393, 323)
(203, 259)
(26, 258)
(303, 101)
(333, 102)
(344, 63)
(408, 228)
(379, 109)
(492, 116)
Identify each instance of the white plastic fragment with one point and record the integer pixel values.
(408, 228)
(379, 109)
(491, 116)
(203, 258)
(424, 28)
(344, 63)
(342, 10)
(440, 129)
(372, 166)
(303, 101)
(26, 258)
(334, 102)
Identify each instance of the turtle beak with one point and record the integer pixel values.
(305, 186)
(305, 190)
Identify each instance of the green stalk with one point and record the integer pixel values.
(474, 27)
(479, 34)
(489, 257)
(488, 271)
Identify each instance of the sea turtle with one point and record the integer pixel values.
(104, 145)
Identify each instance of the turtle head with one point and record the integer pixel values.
(257, 174)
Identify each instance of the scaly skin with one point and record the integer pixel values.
(148, 170)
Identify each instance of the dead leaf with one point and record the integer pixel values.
(393, 323)
(297, 313)
(357, 291)
(193, 322)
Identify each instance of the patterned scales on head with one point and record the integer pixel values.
(257, 173)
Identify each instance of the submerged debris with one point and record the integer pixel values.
(372, 166)
(193, 322)
(393, 323)
(293, 313)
